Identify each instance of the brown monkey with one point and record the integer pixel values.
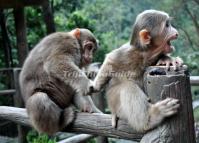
(123, 70)
(51, 79)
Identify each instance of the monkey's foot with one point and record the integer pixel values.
(96, 110)
(114, 121)
(87, 109)
(69, 113)
(168, 107)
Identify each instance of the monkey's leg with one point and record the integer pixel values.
(114, 120)
(85, 104)
(140, 114)
(45, 115)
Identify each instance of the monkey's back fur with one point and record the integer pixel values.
(47, 97)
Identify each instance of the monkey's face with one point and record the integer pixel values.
(88, 44)
(166, 34)
(89, 48)
(155, 32)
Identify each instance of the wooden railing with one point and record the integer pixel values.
(178, 129)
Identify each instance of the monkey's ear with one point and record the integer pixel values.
(77, 33)
(145, 37)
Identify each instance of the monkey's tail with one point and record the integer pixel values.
(46, 116)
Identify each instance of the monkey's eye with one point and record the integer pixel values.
(89, 47)
(167, 24)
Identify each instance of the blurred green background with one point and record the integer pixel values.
(111, 21)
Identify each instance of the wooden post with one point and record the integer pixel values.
(20, 25)
(48, 17)
(18, 101)
(22, 131)
(5, 40)
(180, 127)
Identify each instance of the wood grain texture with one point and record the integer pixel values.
(180, 127)
(97, 124)
(176, 129)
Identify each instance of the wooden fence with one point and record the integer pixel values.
(178, 129)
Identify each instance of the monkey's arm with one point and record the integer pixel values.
(103, 75)
(63, 68)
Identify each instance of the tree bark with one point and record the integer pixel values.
(180, 127)
(18, 102)
(82, 138)
(96, 124)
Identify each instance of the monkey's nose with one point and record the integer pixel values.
(176, 35)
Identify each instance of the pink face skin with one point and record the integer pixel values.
(169, 33)
(89, 49)
(161, 43)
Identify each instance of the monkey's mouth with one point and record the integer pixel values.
(87, 60)
(169, 47)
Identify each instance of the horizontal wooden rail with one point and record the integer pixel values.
(77, 139)
(178, 128)
(194, 80)
(96, 124)
(9, 91)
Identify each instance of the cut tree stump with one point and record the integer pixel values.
(180, 127)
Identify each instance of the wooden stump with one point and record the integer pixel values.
(180, 127)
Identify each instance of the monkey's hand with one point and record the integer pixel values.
(161, 110)
(176, 62)
(84, 87)
(90, 88)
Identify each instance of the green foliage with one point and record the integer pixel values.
(33, 137)
(36, 27)
(77, 19)
(93, 140)
(111, 22)
(196, 114)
